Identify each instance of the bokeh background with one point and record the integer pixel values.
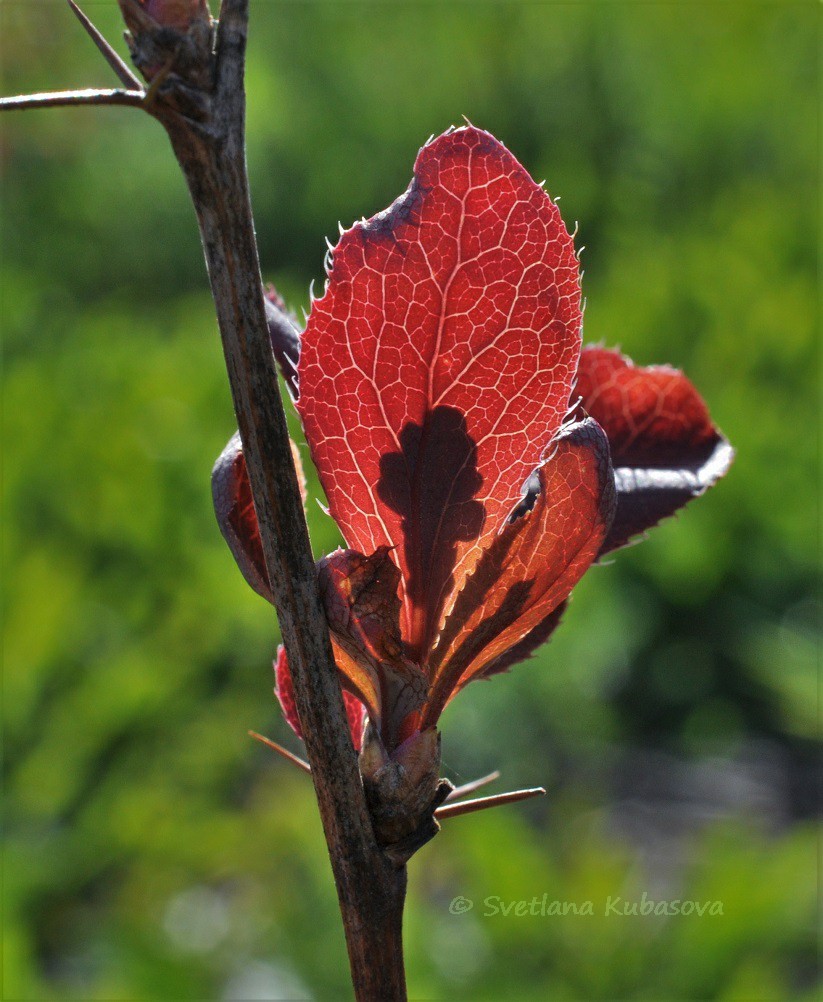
(153, 851)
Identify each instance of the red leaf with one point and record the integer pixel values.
(284, 690)
(650, 415)
(524, 649)
(284, 335)
(529, 569)
(234, 507)
(362, 607)
(231, 490)
(665, 448)
(439, 363)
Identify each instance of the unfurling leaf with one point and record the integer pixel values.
(176, 14)
(362, 608)
(531, 566)
(171, 36)
(284, 335)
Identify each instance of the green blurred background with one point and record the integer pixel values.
(153, 851)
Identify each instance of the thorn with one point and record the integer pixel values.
(73, 99)
(475, 784)
(482, 803)
(124, 74)
(287, 755)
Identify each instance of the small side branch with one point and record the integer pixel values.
(73, 98)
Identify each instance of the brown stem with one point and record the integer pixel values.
(370, 888)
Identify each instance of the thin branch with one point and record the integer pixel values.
(71, 98)
(371, 888)
(476, 784)
(112, 58)
(286, 754)
(484, 803)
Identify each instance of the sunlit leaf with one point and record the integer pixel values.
(284, 690)
(439, 363)
(665, 448)
(530, 568)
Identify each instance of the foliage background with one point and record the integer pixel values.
(152, 850)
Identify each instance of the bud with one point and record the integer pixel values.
(403, 789)
(173, 36)
(179, 15)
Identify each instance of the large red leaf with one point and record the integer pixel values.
(665, 448)
(512, 598)
(439, 363)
